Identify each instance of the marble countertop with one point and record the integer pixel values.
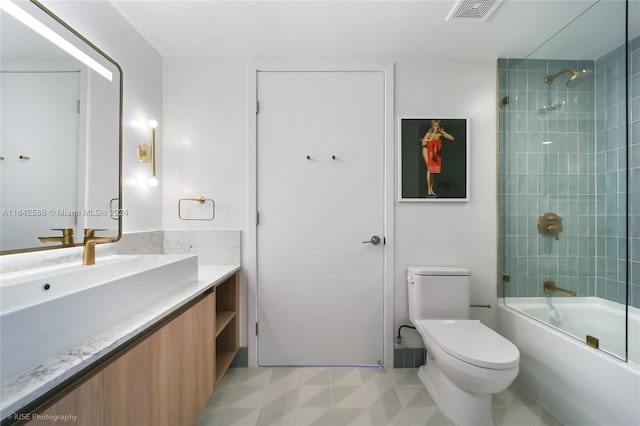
(21, 390)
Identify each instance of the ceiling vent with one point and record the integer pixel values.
(473, 9)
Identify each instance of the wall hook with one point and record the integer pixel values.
(308, 157)
(333, 157)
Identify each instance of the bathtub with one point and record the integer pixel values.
(579, 384)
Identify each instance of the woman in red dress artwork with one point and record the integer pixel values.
(431, 152)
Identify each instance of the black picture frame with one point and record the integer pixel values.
(443, 163)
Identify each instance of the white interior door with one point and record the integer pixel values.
(320, 180)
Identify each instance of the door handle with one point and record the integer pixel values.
(375, 240)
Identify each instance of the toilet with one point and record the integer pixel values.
(467, 362)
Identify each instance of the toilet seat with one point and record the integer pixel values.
(472, 342)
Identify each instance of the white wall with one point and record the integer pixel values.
(99, 22)
(206, 120)
(205, 147)
(452, 234)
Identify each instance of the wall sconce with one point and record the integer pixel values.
(147, 153)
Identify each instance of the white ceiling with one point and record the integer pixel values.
(348, 29)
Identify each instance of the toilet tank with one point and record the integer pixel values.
(438, 292)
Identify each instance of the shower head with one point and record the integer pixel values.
(575, 76)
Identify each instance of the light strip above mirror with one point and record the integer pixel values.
(24, 17)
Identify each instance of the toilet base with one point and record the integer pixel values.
(461, 407)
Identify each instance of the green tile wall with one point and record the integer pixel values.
(582, 175)
(409, 357)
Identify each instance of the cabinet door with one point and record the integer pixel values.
(187, 364)
(196, 331)
(123, 393)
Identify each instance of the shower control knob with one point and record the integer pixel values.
(375, 240)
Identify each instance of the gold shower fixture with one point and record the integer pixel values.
(550, 224)
(575, 75)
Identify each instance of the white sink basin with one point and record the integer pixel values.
(45, 311)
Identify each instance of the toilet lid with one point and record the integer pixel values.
(472, 342)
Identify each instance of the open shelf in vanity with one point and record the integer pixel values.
(226, 325)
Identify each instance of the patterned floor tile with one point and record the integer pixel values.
(351, 417)
(315, 376)
(387, 400)
(232, 377)
(277, 416)
(426, 416)
(387, 415)
(405, 377)
(285, 376)
(314, 396)
(522, 415)
(222, 396)
(281, 396)
(415, 396)
(309, 416)
(210, 416)
(239, 417)
(348, 397)
(345, 376)
(335, 396)
(248, 396)
(368, 374)
(256, 376)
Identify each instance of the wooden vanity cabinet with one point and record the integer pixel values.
(167, 377)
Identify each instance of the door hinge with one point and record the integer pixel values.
(257, 107)
(256, 328)
(257, 218)
(78, 106)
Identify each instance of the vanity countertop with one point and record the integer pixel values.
(21, 390)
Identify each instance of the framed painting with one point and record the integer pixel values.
(433, 159)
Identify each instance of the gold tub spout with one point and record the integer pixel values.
(550, 287)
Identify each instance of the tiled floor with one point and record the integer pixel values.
(345, 396)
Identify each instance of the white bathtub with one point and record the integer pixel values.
(49, 310)
(581, 385)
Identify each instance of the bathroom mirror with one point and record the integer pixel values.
(61, 133)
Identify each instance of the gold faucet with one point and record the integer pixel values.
(66, 238)
(90, 241)
(550, 287)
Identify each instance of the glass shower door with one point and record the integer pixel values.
(563, 175)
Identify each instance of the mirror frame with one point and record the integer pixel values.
(120, 120)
